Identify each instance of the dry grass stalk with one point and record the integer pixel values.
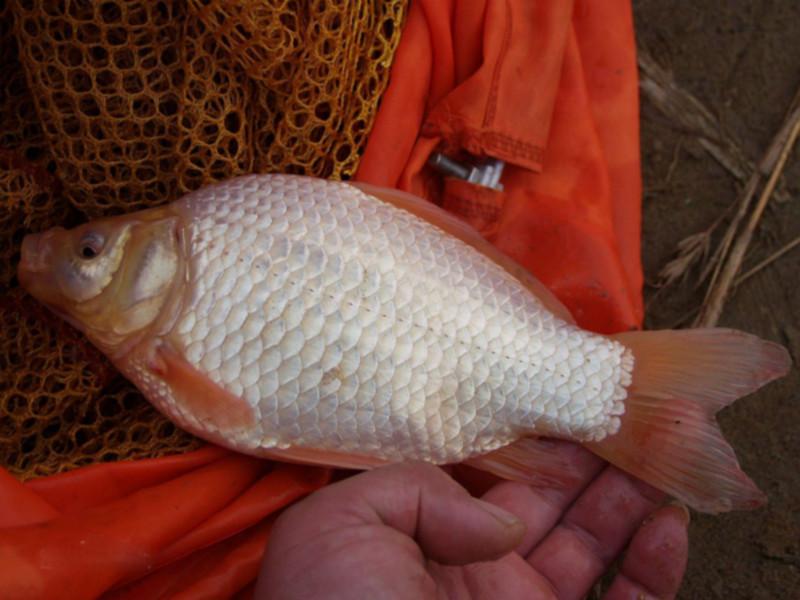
(721, 251)
(778, 152)
(691, 250)
(687, 111)
(767, 165)
(767, 261)
(691, 115)
(676, 154)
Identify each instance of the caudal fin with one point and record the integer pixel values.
(669, 436)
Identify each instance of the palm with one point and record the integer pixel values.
(409, 531)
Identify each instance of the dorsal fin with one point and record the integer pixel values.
(450, 224)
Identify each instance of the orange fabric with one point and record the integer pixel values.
(549, 87)
(204, 517)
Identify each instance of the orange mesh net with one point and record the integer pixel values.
(114, 106)
(63, 406)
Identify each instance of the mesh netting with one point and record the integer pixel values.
(64, 407)
(109, 107)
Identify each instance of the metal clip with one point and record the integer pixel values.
(486, 174)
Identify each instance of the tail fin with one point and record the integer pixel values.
(669, 436)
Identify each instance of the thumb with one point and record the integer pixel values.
(419, 501)
(453, 527)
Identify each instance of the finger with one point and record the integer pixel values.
(510, 578)
(656, 558)
(540, 508)
(415, 499)
(594, 530)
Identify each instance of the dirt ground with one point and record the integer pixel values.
(742, 60)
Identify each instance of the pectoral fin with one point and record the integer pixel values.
(208, 402)
(198, 395)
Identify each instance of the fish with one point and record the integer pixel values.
(348, 325)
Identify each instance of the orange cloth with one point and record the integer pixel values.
(195, 524)
(550, 88)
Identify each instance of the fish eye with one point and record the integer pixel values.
(90, 246)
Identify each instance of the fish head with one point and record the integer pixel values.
(109, 278)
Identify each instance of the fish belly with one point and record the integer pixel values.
(350, 325)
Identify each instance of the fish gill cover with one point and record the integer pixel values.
(113, 106)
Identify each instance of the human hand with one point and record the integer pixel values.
(410, 531)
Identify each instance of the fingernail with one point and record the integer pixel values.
(685, 514)
(505, 518)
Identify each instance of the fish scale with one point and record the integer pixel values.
(353, 326)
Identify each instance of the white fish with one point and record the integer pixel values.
(329, 323)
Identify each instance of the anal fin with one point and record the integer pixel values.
(531, 460)
(324, 458)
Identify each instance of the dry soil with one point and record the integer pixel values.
(742, 60)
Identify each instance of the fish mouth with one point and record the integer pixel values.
(30, 263)
(36, 254)
(34, 272)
